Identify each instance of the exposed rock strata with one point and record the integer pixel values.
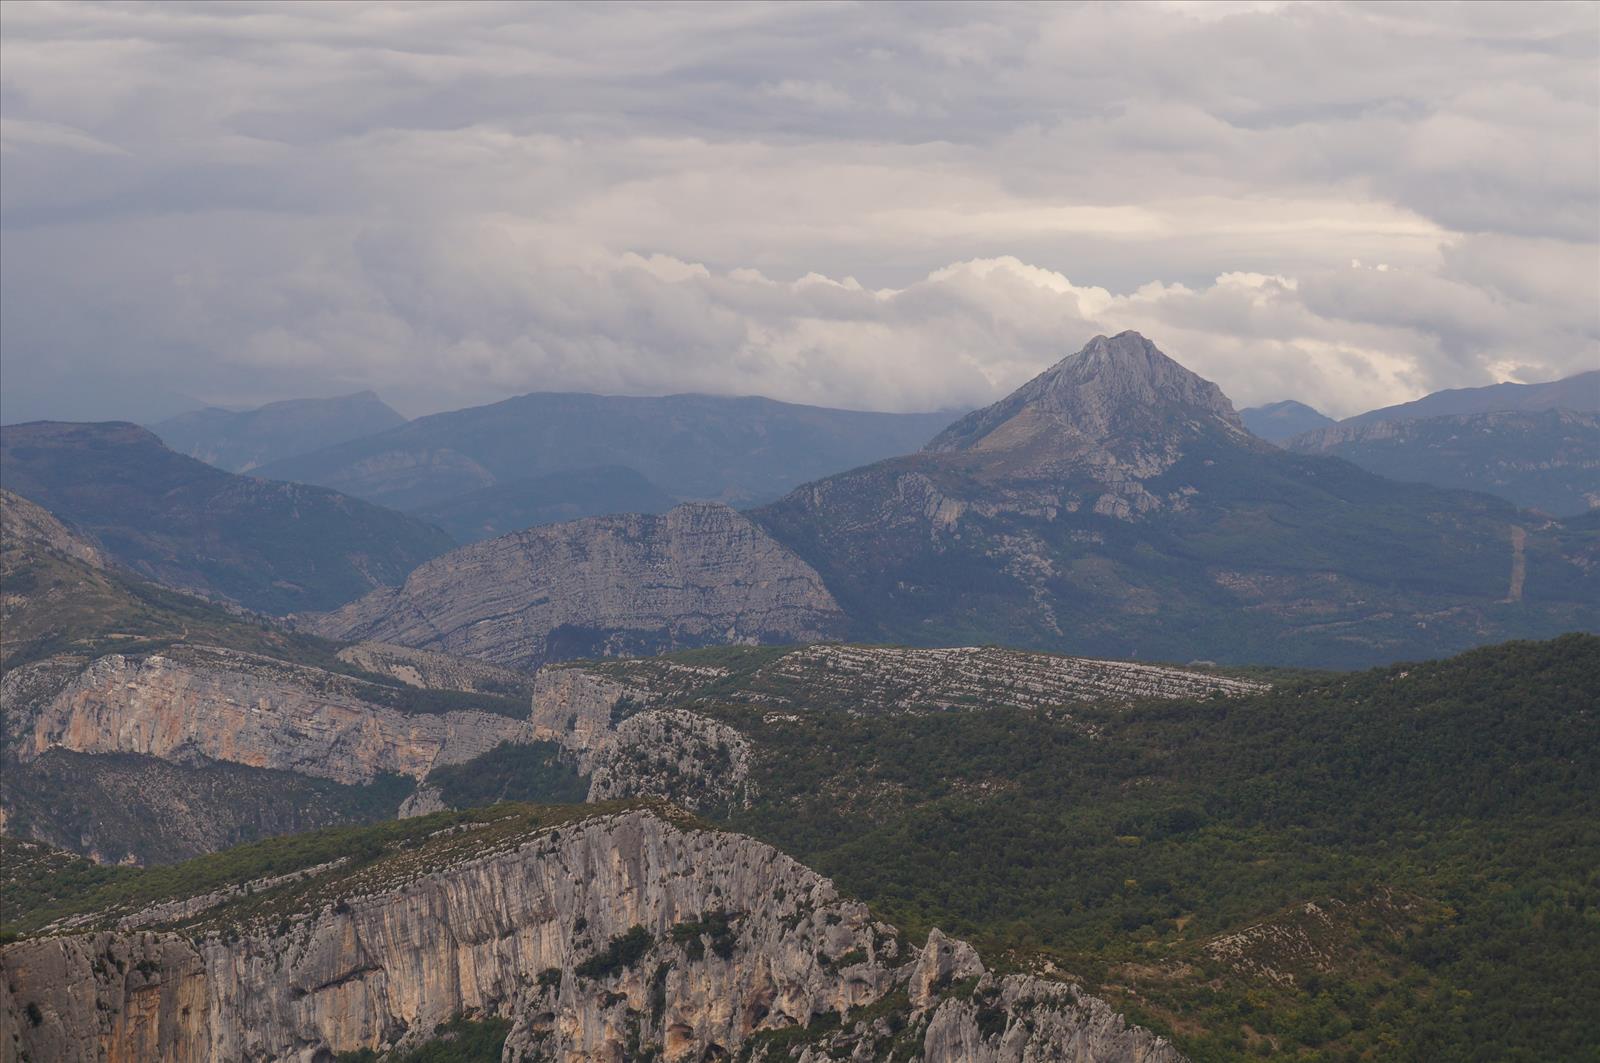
(501, 925)
(631, 746)
(244, 709)
(699, 574)
(886, 680)
(435, 671)
(675, 754)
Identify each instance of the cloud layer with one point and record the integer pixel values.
(900, 207)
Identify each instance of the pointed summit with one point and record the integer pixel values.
(1119, 405)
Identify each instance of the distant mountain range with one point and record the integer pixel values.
(736, 450)
(1537, 445)
(243, 440)
(1277, 421)
(271, 547)
(1580, 393)
(1547, 460)
(1114, 506)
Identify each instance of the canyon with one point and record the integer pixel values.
(611, 935)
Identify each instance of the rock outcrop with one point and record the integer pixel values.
(631, 743)
(241, 708)
(609, 938)
(436, 671)
(874, 679)
(697, 575)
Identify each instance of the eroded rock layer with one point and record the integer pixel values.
(240, 708)
(610, 938)
(699, 574)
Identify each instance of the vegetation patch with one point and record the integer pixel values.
(461, 1040)
(622, 952)
(537, 772)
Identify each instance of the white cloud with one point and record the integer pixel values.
(875, 206)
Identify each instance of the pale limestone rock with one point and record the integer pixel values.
(408, 946)
(943, 962)
(435, 671)
(699, 574)
(245, 709)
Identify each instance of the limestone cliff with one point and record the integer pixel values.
(239, 708)
(699, 574)
(608, 938)
(632, 743)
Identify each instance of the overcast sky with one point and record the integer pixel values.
(877, 206)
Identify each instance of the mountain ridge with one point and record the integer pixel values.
(268, 546)
(1580, 392)
(1277, 421)
(694, 447)
(242, 440)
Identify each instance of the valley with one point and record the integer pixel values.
(906, 765)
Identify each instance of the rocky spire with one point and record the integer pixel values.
(1116, 391)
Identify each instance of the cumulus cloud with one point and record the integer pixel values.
(881, 206)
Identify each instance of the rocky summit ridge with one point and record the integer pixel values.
(1117, 407)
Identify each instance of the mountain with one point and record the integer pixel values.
(737, 450)
(243, 440)
(610, 934)
(1116, 506)
(512, 505)
(699, 574)
(1211, 851)
(1277, 421)
(1548, 460)
(272, 547)
(1580, 392)
(145, 724)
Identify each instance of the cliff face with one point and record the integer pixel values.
(603, 939)
(243, 709)
(699, 574)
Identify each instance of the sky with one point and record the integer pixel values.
(873, 206)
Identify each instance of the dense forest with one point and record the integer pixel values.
(1441, 818)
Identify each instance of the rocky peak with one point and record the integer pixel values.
(1119, 404)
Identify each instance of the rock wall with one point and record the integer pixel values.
(244, 709)
(699, 574)
(741, 940)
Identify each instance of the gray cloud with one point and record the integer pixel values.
(883, 205)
